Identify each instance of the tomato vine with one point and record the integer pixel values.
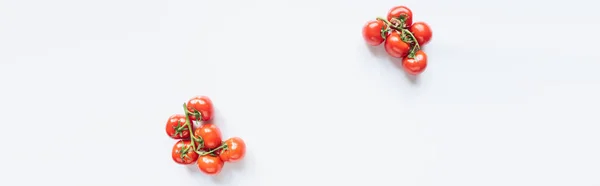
(222, 146)
(400, 26)
(194, 138)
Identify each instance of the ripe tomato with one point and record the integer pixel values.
(176, 127)
(398, 11)
(210, 165)
(416, 65)
(372, 32)
(234, 150)
(422, 32)
(394, 45)
(210, 135)
(222, 155)
(183, 153)
(202, 105)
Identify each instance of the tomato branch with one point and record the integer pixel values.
(189, 124)
(223, 146)
(416, 47)
(405, 32)
(388, 23)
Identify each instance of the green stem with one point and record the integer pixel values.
(211, 151)
(188, 123)
(415, 45)
(388, 23)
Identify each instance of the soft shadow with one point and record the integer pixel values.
(238, 166)
(398, 63)
(377, 51)
(193, 168)
(231, 169)
(224, 177)
(412, 78)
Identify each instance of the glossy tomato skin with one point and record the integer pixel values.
(210, 165)
(203, 105)
(372, 32)
(210, 134)
(183, 153)
(416, 65)
(422, 32)
(234, 151)
(176, 127)
(222, 155)
(397, 11)
(394, 45)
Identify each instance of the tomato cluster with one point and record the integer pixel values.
(402, 37)
(203, 144)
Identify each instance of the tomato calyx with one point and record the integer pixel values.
(384, 31)
(179, 129)
(196, 114)
(399, 25)
(410, 38)
(400, 20)
(183, 152)
(199, 140)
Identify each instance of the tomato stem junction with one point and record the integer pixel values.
(223, 145)
(188, 122)
(416, 47)
(399, 26)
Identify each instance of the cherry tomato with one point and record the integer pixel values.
(222, 155)
(202, 105)
(210, 165)
(422, 32)
(398, 11)
(416, 65)
(176, 127)
(372, 32)
(394, 45)
(234, 150)
(210, 135)
(183, 153)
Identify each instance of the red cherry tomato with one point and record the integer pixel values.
(176, 127)
(422, 32)
(416, 65)
(183, 153)
(210, 165)
(394, 45)
(234, 150)
(210, 135)
(398, 11)
(222, 155)
(372, 32)
(202, 105)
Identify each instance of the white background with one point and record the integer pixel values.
(509, 97)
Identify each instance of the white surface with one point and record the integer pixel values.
(87, 87)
